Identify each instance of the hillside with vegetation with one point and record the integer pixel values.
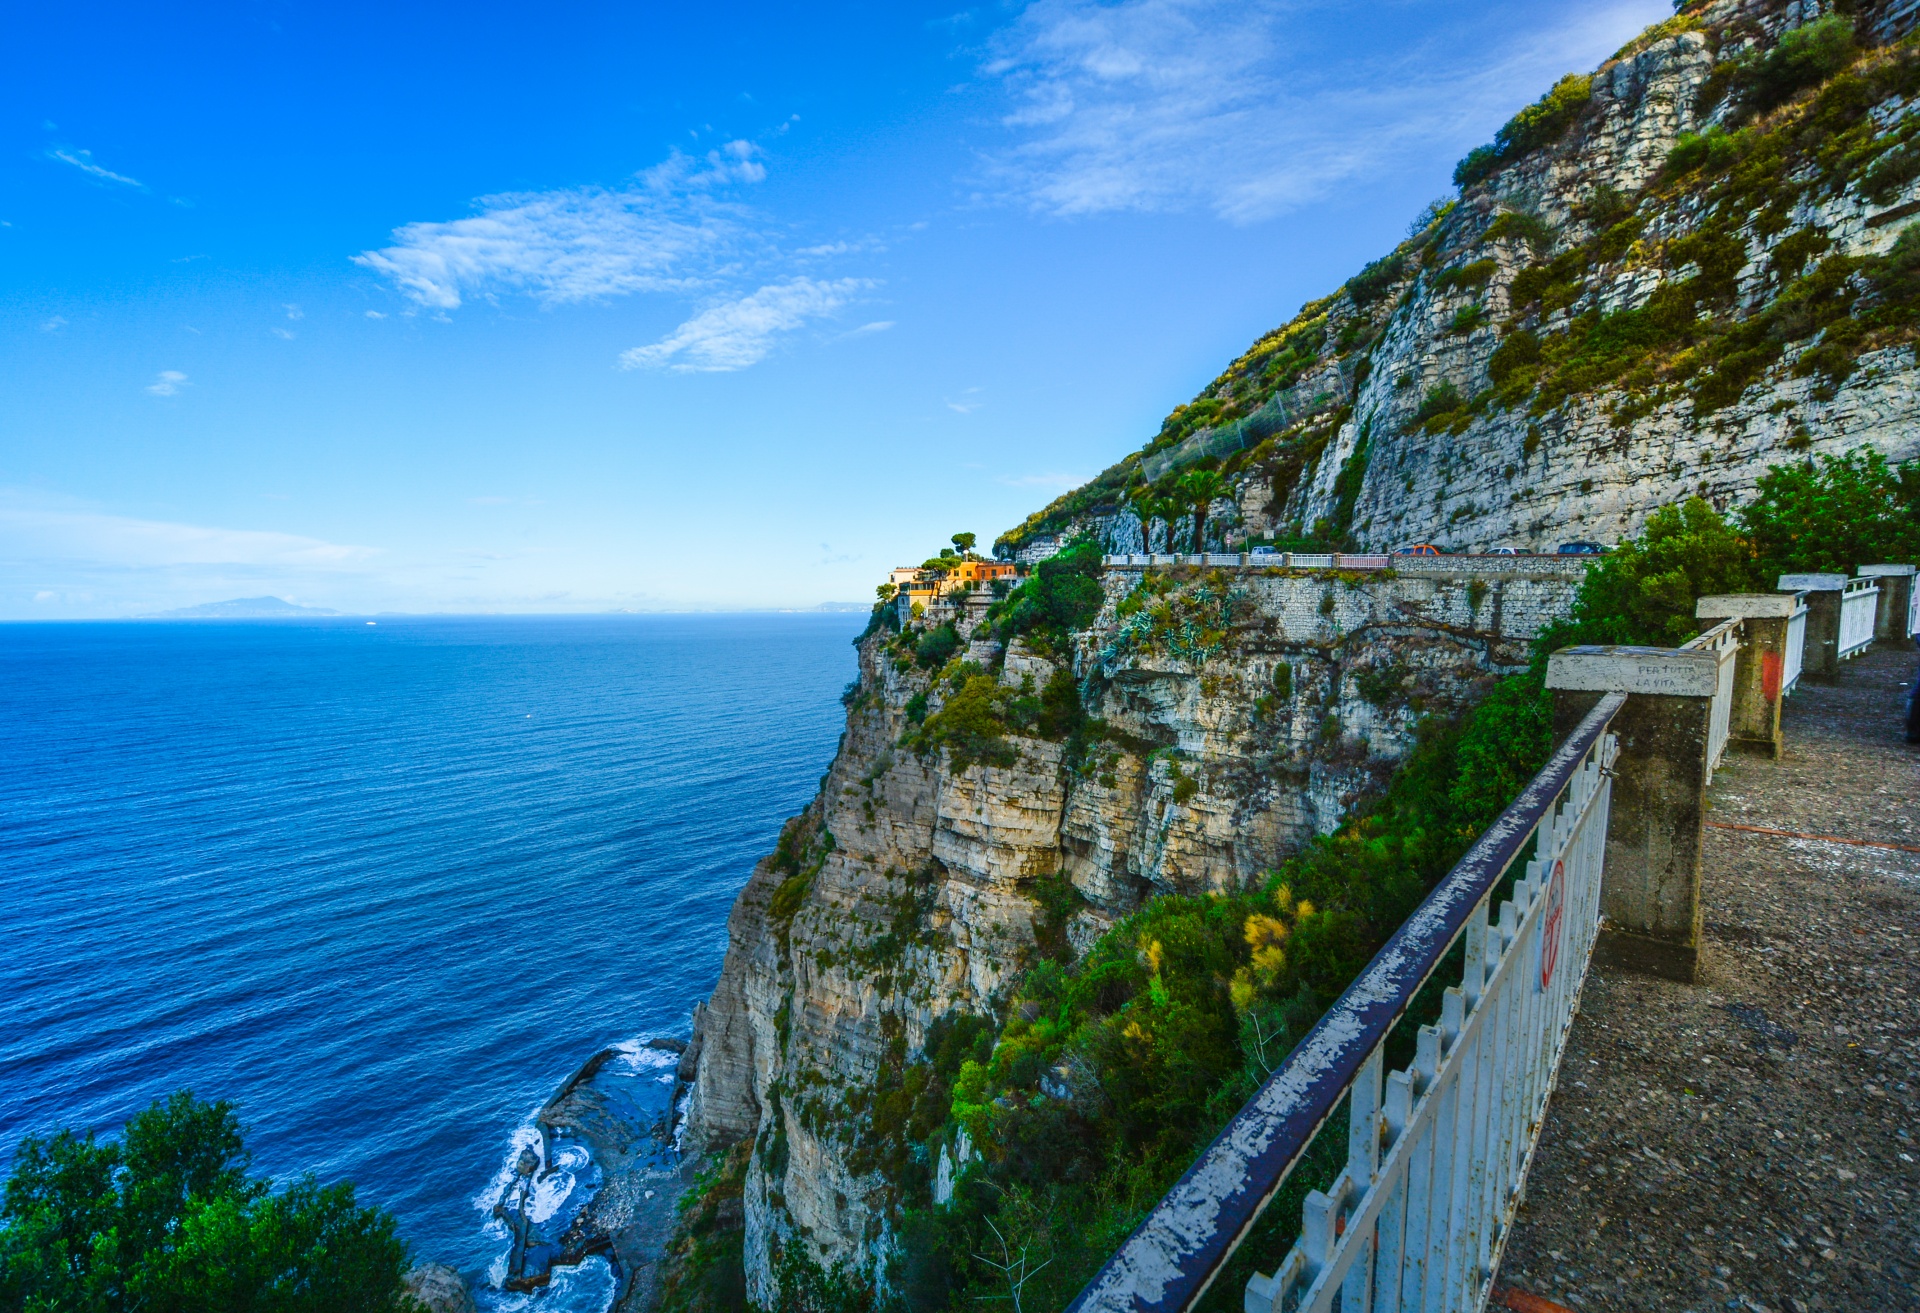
(1656, 281)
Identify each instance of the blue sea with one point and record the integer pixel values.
(383, 885)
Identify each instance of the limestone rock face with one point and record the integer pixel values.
(1595, 465)
(439, 1289)
(927, 899)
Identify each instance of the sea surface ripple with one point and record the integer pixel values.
(385, 886)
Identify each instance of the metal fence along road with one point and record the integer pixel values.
(1436, 1154)
(1723, 640)
(1858, 604)
(1795, 657)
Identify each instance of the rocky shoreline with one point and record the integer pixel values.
(609, 1106)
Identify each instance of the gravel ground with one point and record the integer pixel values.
(1749, 1141)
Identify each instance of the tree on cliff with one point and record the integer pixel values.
(166, 1220)
(1199, 488)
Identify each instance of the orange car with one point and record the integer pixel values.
(1419, 549)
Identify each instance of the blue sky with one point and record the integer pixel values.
(582, 307)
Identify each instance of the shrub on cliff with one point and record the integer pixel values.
(1842, 513)
(166, 1220)
(1061, 595)
(1644, 592)
(1539, 124)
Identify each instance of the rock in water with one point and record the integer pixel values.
(440, 1289)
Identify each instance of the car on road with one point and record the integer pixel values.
(1419, 549)
(1508, 551)
(1584, 549)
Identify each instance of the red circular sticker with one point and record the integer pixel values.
(1550, 927)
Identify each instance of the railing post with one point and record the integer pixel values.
(1650, 889)
(1760, 671)
(1896, 600)
(1822, 656)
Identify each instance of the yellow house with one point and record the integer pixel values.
(922, 587)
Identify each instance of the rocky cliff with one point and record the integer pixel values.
(1655, 282)
(1598, 325)
(1240, 712)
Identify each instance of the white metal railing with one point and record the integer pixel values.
(1434, 1168)
(1723, 640)
(1794, 659)
(1436, 1154)
(1858, 603)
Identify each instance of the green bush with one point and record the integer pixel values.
(166, 1219)
(1061, 595)
(1713, 150)
(936, 647)
(1376, 279)
(1839, 514)
(1524, 224)
(1539, 124)
(1643, 592)
(1804, 57)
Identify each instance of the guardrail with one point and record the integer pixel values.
(1723, 640)
(1794, 657)
(1279, 560)
(1436, 1154)
(1858, 603)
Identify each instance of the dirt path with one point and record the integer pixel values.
(1750, 1141)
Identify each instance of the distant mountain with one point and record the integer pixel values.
(242, 608)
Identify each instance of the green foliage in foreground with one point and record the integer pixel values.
(166, 1220)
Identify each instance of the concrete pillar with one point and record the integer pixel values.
(1754, 724)
(1822, 653)
(1896, 600)
(1650, 890)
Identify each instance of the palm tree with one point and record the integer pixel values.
(1200, 488)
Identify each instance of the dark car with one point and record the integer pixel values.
(1419, 549)
(1584, 549)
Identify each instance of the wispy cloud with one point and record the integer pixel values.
(75, 538)
(83, 161)
(740, 332)
(1248, 108)
(661, 233)
(54, 324)
(167, 383)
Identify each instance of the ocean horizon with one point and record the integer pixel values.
(385, 886)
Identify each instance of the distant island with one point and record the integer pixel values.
(242, 608)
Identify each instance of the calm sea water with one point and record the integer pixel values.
(385, 886)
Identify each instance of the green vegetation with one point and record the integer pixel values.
(1061, 595)
(704, 1270)
(166, 1220)
(1644, 592)
(1845, 512)
(1539, 124)
(1110, 1073)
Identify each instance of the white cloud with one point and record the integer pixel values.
(294, 312)
(69, 538)
(54, 324)
(376, 314)
(285, 333)
(662, 233)
(83, 161)
(167, 383)
(1244, 107)
(740, 332)
(877, 326)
